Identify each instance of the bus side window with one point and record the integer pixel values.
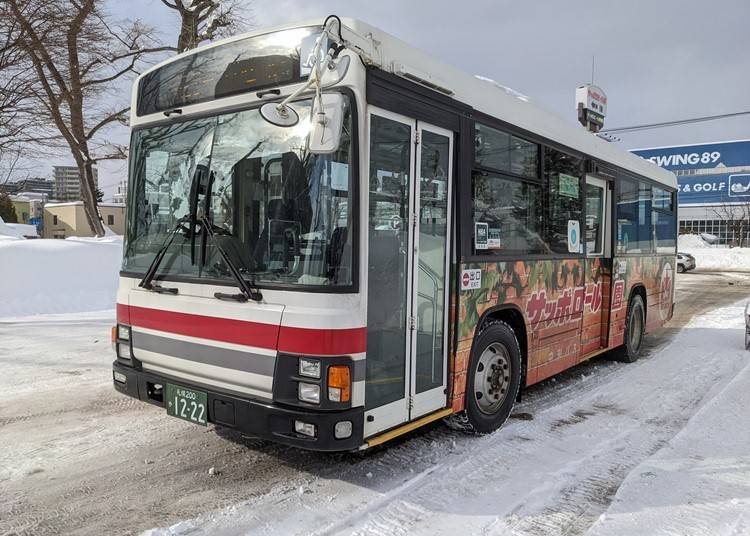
(563, 174)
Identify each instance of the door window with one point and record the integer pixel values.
(389, 184)
(594, 219)
(434, 172)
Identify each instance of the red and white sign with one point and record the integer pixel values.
(592, 98)
(471, 279)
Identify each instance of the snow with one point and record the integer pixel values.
(710, 258)
(11, 231)
(699, 483)
(657, 447)
(58, 276)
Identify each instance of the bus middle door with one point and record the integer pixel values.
(598, 262)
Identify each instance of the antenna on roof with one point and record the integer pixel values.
(593, 63)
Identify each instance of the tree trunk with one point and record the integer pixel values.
(188, 31)
(88, 196)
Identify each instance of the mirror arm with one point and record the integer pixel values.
(316, 71)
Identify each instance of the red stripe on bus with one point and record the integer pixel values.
(322, 341)
(286, 339)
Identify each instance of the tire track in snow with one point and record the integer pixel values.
(651, 415)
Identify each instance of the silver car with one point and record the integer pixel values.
(685, 262)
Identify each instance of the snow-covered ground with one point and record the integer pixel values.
(711, 258)
(672, 429)
(58, 276)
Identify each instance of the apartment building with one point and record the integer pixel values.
(68, 183)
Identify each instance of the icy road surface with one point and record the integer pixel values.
(607, 448)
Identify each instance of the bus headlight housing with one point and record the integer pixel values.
(123, 332)
(309, 367)
(309, 392)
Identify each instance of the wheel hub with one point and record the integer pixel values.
(492, 378)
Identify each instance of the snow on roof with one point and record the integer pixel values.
(391, 54)
(77, 203)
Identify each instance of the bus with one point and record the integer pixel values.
(333, 239)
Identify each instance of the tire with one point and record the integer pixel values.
(492, 382)
(635, 327)
(680, 268)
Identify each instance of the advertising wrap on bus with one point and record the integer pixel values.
(707, 155)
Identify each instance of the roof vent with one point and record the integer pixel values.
(415, 75)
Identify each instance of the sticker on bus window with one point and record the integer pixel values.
(574, 236)
(568, 185)
(493, 238)
(340, 176)
(481, 230)
(471, 279)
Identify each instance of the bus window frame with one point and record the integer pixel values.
(467, 222)
(352, 288)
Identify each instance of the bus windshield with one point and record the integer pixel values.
(281, 214)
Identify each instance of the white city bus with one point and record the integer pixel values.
(334, 238)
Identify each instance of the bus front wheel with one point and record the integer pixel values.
(492, 381)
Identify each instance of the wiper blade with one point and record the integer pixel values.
(247, 290)
(154, 266)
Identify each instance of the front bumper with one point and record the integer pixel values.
(253, 417)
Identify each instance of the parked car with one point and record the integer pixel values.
(685, 262)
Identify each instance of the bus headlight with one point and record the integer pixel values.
(309, 367)
(123, 332)
(309, 392)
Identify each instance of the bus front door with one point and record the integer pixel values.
(410, 180)
(598, 261)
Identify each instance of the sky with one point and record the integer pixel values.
(657, 60)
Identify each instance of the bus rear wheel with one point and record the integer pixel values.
(492, 381)
(635, 327)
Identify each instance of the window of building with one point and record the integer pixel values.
(563, 197)
(511, 211)
(633, 217)
(54, 219)
(504, 152)
(110, 219)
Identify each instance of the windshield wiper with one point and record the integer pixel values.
(248, 292)
(154, 266)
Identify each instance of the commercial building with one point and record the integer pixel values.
(68, 183)
(714, 187)
(62, 220)
(33, 185)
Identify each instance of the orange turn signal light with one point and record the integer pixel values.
(114, 334)
(339, 383)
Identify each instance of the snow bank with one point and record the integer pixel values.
(58, 276)
(699, 483)
(9, 231)
(716, 259)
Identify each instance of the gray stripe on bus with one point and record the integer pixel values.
(202, 353)
(359, 370)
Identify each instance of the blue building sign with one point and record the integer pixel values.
(706, 188)
(709, 189)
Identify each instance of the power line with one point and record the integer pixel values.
(648, 126)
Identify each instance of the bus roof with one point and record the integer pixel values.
(394, 55)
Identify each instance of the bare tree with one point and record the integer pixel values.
(204, 20)
(72, 60)
(736, 216)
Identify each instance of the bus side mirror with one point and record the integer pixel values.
(327, 122)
